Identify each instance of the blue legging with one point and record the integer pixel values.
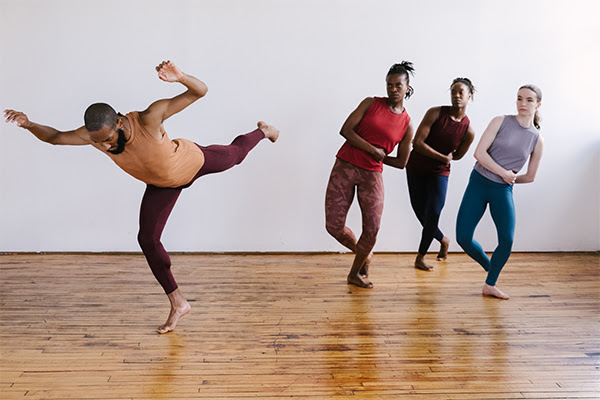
(479, 193)
(427, 197)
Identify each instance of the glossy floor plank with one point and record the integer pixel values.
(288, 326)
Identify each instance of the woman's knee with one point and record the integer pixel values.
(366, 244)
(463, 237)
(505, 242)
(368, 238)
(431, 217)
(334, 229)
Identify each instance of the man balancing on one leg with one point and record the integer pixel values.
(137, 142)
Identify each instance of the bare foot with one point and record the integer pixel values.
(173, 318)
(444, 245)
(421, 264)
(270, 131)
(179, 308)
(359, 281)
(364, 271)
(494, 292)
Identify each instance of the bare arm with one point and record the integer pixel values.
(348, 131)
(423, 133)
(464, 145)
(534, 163)
(48, 134)
(483, 157)
(162, 109)
(403, 150)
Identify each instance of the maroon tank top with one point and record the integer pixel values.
(445, 136)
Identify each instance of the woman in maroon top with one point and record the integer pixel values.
(371, 131)
(445, 134)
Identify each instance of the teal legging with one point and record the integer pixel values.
(479, 193)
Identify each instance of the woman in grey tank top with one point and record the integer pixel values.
(504, 148)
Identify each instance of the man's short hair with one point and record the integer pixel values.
(99, 115)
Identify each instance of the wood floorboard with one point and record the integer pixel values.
(278, 326)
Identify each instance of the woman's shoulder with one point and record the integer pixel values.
(378, 100)
(368, 101)
(437, 111)
(499, 120)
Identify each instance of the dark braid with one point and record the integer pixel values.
(404, 68)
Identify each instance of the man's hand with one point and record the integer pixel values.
(17, 117)
(153, 117)
(169, 72)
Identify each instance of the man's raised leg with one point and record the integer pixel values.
(218, 158)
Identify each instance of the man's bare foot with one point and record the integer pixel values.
(270, 131)
(444, 245)
(421, 264)
(359, 281)
(364, 271)
(179, 308)
(494, 292)
(174, 316)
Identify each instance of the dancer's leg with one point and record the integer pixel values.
(158, 203)
(155, 209)
(439, 189)
(502, 210)
(417, 191)
(470, 212)
(219, 158)
(338, 199)
(370, 198)
(428, 195)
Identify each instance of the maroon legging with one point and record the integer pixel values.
(158, 202)
(345, 180)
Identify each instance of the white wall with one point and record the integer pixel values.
(304, 66)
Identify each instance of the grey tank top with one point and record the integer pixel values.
(511, 148)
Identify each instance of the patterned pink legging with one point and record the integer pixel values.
(345, 180)
(158, 203)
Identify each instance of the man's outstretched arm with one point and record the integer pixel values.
(48, 134)
(162, 109)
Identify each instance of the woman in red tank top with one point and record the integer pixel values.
(371, 132)
(445, 134)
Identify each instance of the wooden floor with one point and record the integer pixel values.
(288, 326)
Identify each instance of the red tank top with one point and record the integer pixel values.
(380, 127)
(445, 136)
